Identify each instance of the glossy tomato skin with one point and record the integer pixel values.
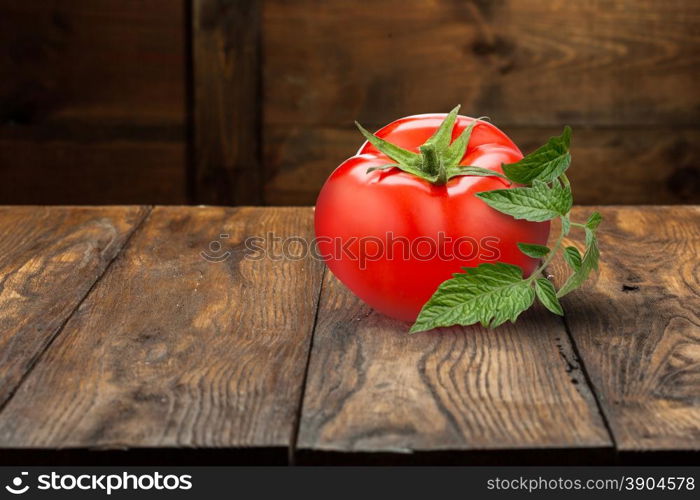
(375, 230)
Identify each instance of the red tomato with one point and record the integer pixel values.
(375, 229)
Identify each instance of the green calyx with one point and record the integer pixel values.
(439, 157)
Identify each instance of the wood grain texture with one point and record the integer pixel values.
(49, 260)
(226, 44)
(637, 325)
(172, 350)
(373, 388)
(521, 62)
(92, 93)
(612, 165)
(622, 73)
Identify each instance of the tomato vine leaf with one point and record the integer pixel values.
(572, 257)
(547, 295)
(494, 293)
(490, 294)
(545, 164)
(538, 203)
(589, 262)
(532, 250)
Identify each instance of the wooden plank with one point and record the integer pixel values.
(171, 350)
(374, 389)
(227, 101)
(521, 62)
(49, 260)
(91, 89)
(611, 165)
(637, 326)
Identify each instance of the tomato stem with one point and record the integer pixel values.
(433, 164)
(439, 157)
(555, 249)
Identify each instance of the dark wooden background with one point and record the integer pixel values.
(252, 102)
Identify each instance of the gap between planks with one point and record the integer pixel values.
(587, 380)
(291, 459)
(148, 210)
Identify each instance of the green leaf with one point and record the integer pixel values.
(490, 294)
(394, 152)
(546, 163)
(547, 295)
(589, 262)
(592, 244)
(532, 250)
(537, 203)
(477, 171)
(594, 220)
(573, 257)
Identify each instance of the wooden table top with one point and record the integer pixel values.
(119, 339)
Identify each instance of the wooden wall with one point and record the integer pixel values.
(92, 101)
(252, 101)
(623, 73)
